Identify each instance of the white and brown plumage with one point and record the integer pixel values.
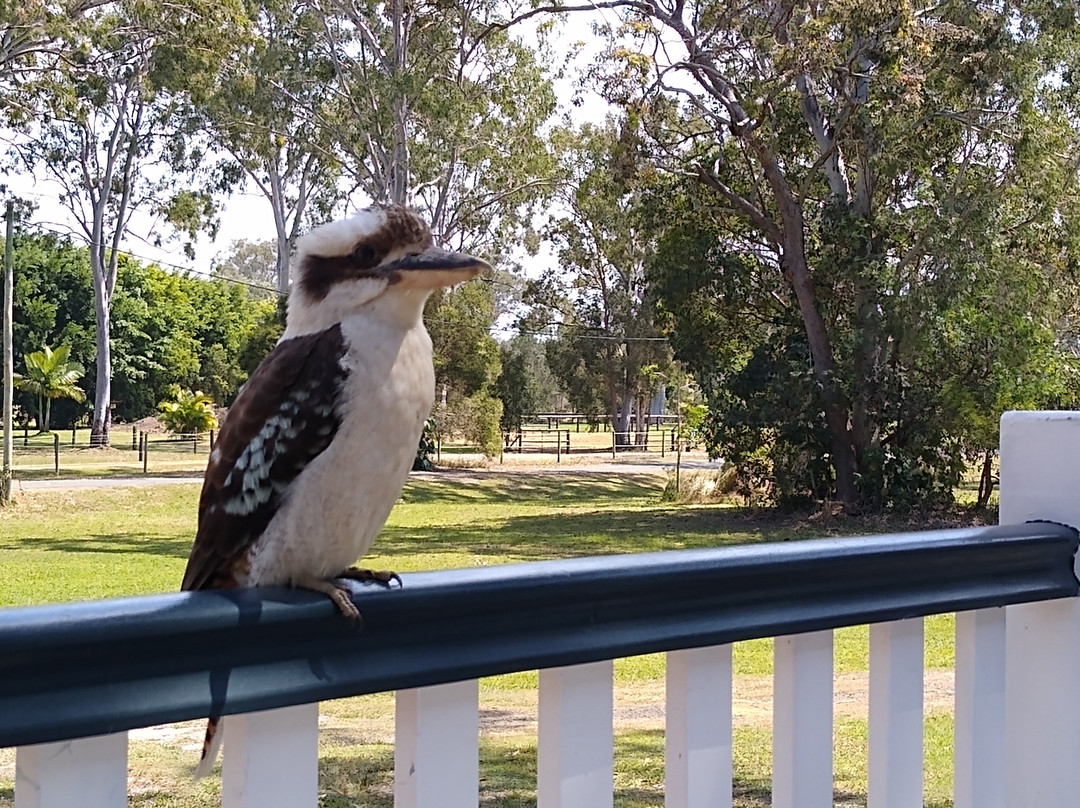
(319, 442)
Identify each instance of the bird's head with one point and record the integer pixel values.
(381, 258)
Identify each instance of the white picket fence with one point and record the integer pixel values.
(1017, 712)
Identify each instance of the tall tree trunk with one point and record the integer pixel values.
(796, 271)
(865, 365)
(48, 414)
(283, 257)
(869, 348)
(400, 169)
(641, 423)
(620, 421)
(99, 429)
(278, 203)
(986, 480)
(824, 368)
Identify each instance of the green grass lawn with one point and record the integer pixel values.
(88, 544)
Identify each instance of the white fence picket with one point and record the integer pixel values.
(271, 759)
(697, 736)
(803, 721)
(436, 748)
(88, 772)
(979, 725)
(575, 754)
(895, 776)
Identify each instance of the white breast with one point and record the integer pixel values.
(339, 503)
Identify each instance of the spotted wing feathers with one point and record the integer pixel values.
(283, 418)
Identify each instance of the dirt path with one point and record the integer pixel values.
(511, 466)
(641, 706)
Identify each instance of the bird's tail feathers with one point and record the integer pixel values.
(215, 730)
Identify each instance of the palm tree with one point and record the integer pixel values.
(50, 374)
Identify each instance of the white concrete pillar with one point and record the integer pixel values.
(979, 736)
(1040, 479)
(803, 721)
(575, 755)
(896, 715)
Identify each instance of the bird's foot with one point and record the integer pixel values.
(384, 577)
(336, 593)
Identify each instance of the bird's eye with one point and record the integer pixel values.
(365, 255)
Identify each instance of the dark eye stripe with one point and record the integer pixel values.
(319, 273)
(402, 228)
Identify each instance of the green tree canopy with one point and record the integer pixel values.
(854, 202)
(253, 264)
(168, 328)
(108, 117)
(525, 384)
(466, 356)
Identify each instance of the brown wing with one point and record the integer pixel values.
(283, 418)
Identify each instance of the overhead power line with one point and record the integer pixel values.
(602, 337)
(159, 262)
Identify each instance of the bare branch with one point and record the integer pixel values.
(765, 224)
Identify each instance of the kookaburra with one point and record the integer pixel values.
(319, 442)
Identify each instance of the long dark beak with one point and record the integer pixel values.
(434, 267)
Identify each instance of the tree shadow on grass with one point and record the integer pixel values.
(557, 488)
(109, 543)
(599, 532)
(612, 526)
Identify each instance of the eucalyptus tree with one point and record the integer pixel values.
(432, 107)
(35, 38)
(862, 154)
(525, 385)
(254, 264)
(608, 339)
(436, 109)
(863, 170)
(259, 116)
(108, 131)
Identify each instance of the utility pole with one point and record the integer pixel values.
(9, 356)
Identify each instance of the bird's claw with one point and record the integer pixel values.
(338, 593)
(383, 577)
(346, 606)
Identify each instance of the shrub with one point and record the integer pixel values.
(187, 412)
(703, 487)
(426, 449)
